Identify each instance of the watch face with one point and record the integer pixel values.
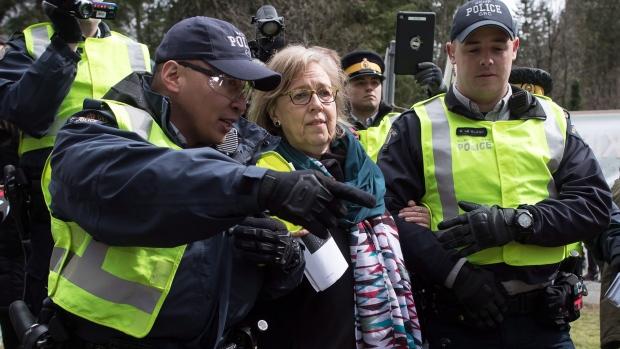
(524, 220)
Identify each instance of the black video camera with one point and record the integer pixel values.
(85, 9)
(269, 33)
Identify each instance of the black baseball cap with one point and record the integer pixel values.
(218, 43)
(363, 63)
(480, 13)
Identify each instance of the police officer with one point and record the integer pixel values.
(370, 116)
(141, 201)
(47, 71)
(509, 184)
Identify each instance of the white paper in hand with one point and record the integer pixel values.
(325, 264)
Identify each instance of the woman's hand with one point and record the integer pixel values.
(300, 233)
(415, 214)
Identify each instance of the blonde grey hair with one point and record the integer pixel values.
(290, 62)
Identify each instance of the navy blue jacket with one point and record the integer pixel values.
(125, 191)
(580, 211)
(606, 246)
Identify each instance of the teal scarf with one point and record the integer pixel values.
(359, 171)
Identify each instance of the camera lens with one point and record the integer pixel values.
(271, 28)
(85, 9)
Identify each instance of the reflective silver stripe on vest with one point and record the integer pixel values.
(442, 153)
(555, 142)
(86, 272)
(136, 56)
(56, 257)
(141, 121)
(40, 40)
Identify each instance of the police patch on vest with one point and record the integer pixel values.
(471, 131)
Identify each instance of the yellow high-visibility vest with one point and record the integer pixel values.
(118, 287)
(505, 163)
(274, 161)
(104, 62)
(373, 138)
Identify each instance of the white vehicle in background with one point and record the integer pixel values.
(601, 130)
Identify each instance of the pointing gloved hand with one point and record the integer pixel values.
(65, 25)
(309, 198)
(430, 75)
(266, 241)
(482, 297)
(480, 227)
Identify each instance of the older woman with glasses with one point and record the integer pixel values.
(371, 304)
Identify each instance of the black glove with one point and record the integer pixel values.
(478, 228)
(308, 198)
(430, 75)
(266, 241)
(481, 296)
(65, 25)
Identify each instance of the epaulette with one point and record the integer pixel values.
(93, 104)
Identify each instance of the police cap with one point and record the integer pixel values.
(532, 79)
(363, 63)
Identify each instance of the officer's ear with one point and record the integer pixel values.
(167, 78)
(515, 47)
(450, 49)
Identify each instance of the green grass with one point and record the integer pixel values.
(585, 331)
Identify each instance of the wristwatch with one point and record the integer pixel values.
(524, 220)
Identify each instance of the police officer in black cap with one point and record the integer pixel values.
(367, 112)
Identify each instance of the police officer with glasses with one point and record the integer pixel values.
(161, 241)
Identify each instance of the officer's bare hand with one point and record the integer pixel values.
(415, 214)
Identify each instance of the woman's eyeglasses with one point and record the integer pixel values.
(303, 96)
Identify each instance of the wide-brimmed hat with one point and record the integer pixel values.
(363, 63)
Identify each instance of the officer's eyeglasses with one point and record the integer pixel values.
(231, 88)
(303, 96)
